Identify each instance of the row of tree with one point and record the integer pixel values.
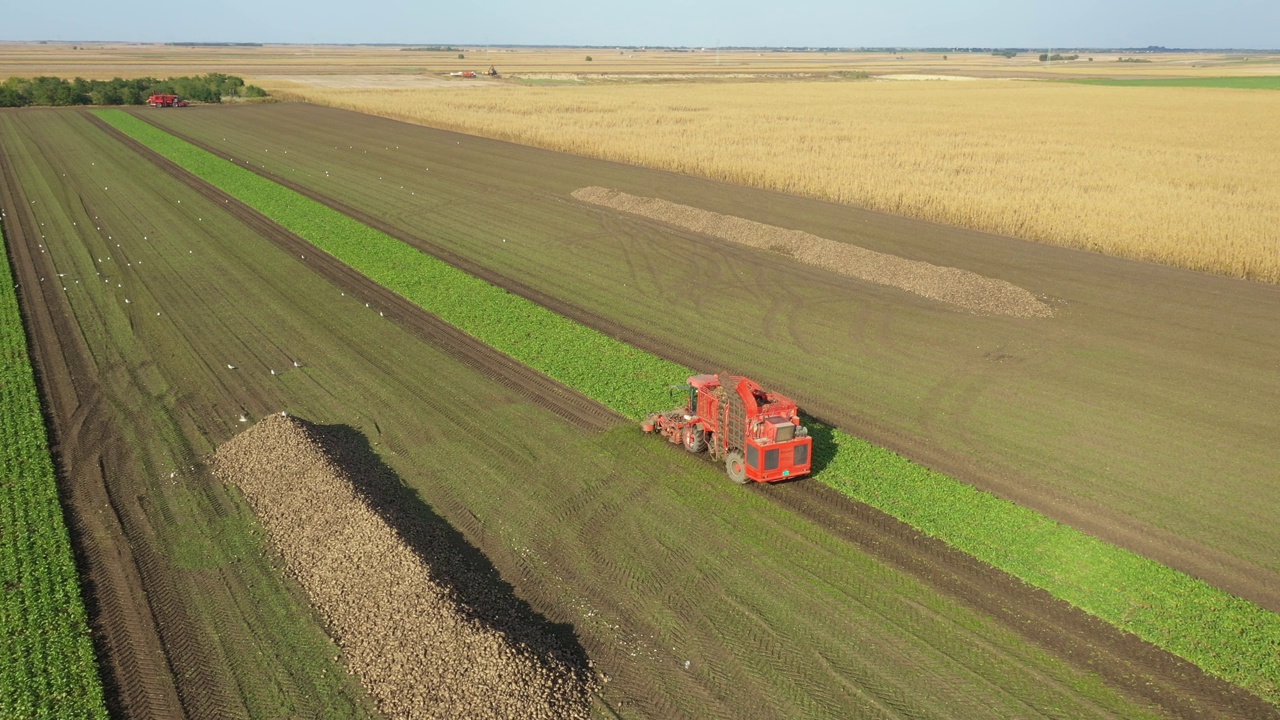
(211, 88)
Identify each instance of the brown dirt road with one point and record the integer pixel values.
(1176, 687)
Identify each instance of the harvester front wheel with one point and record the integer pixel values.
(695, 439)
(736, 467)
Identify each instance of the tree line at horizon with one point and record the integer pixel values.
(59, 92)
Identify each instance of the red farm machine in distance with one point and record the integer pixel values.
(756, 433)
(165, 100)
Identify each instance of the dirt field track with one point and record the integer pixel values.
(1114, 416)
(184, 313)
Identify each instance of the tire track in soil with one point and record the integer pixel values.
(1177, 687)
(137, 678)
(518, 377)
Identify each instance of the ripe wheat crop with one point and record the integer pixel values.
(1181, 176)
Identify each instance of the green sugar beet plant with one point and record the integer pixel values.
(47, 666)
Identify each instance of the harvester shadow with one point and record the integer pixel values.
(824, 445)
(478, 588)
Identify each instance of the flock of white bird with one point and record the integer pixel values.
(244, 416)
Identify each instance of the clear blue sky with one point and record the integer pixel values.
(907, 23)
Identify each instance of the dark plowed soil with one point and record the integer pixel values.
(399, 596)
(1176, 687)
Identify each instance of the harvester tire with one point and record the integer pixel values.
(736, 467)
(695, 439)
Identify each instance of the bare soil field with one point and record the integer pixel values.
(209, 321)
(1113, 416)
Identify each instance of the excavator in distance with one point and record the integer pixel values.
(756, 433)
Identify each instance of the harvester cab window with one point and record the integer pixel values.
(802, 454)
(753, 456)
(693, 400)
(771, 459)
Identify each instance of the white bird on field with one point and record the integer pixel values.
(297, 364)
(230, 366)
(243, 418)
(273, 372)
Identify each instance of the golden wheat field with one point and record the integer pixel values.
(1183, 176)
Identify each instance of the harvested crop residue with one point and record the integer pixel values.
(417, 645)
(961, 288)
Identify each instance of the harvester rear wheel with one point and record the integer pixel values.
(695, 439)
(736, 467)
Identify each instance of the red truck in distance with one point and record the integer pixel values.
(165, 100)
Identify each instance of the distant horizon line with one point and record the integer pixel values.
(455, 47)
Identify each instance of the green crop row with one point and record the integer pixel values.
(47, 666)
(1227, 636)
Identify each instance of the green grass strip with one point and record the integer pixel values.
(1227, 636)
(47, 666)
(1270, 82)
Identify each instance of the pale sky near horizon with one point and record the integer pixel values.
(1253, 24)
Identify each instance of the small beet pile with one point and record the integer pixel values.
(418, 647)
(961, 288)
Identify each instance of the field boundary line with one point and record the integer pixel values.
(1228, 637)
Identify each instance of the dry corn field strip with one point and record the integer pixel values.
(695, 598)
(1171, 175)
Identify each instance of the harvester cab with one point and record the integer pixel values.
(756, 433)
